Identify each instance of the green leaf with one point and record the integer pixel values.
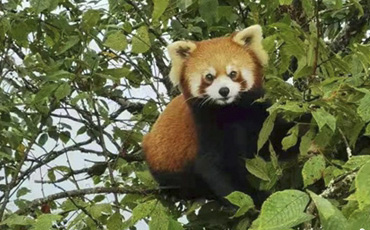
(324, 118)
(306, 142)
(356, 162)
(290, 140)
(364, 108)
(17, 220)
(283, 210)
(266, 130)
(313, 170)
(362, 183)
(22, 191)
(51, 175)
(117, 73)
(115, 222)
(116, 41)
(65, 136)
(360, 219)
(141, 41)
(367, 130)
(62, 91)
(81, 130)
(45, 91)
(174, 225)
(45, 221)
(143, 210)
(331, 218)
(43, 139)
(258, 167)
(243, 201)
(159, 8)
(285, 2)
(89, 19)
(308, 7)
(39, 5)
(159, 218)
(184, 4)
(208, 10)
(72, 41)
(97, 210)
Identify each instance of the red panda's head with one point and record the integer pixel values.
(219, 69)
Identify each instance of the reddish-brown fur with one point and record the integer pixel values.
(172, 141)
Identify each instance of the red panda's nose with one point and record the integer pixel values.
(224, 91)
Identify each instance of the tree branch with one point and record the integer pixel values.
(86, 191)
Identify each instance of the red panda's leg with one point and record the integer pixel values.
(216, 177)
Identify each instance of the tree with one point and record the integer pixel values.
(84, 80)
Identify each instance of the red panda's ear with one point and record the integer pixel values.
(179, 52)
(252, 38)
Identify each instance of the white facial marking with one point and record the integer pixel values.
(210, 70)
(194, 83)
(230, 68)
(223, 81)
(248, 77)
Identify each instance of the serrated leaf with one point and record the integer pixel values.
(45, 221)
(116, 41)
(362, 183)
(243, 201)
(364, 108)
(257, 166)
(331, 218)
(62, 91)
(266, 130)
(360, 219)
(324, 118)
(313, 170)
(282, 210)
(159, 8)
(141, 41)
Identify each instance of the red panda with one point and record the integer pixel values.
(198, 143)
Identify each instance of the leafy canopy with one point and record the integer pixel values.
(82, 81)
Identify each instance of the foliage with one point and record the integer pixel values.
(82, 81)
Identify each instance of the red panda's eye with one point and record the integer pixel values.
(232, 74)
(209, 77)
